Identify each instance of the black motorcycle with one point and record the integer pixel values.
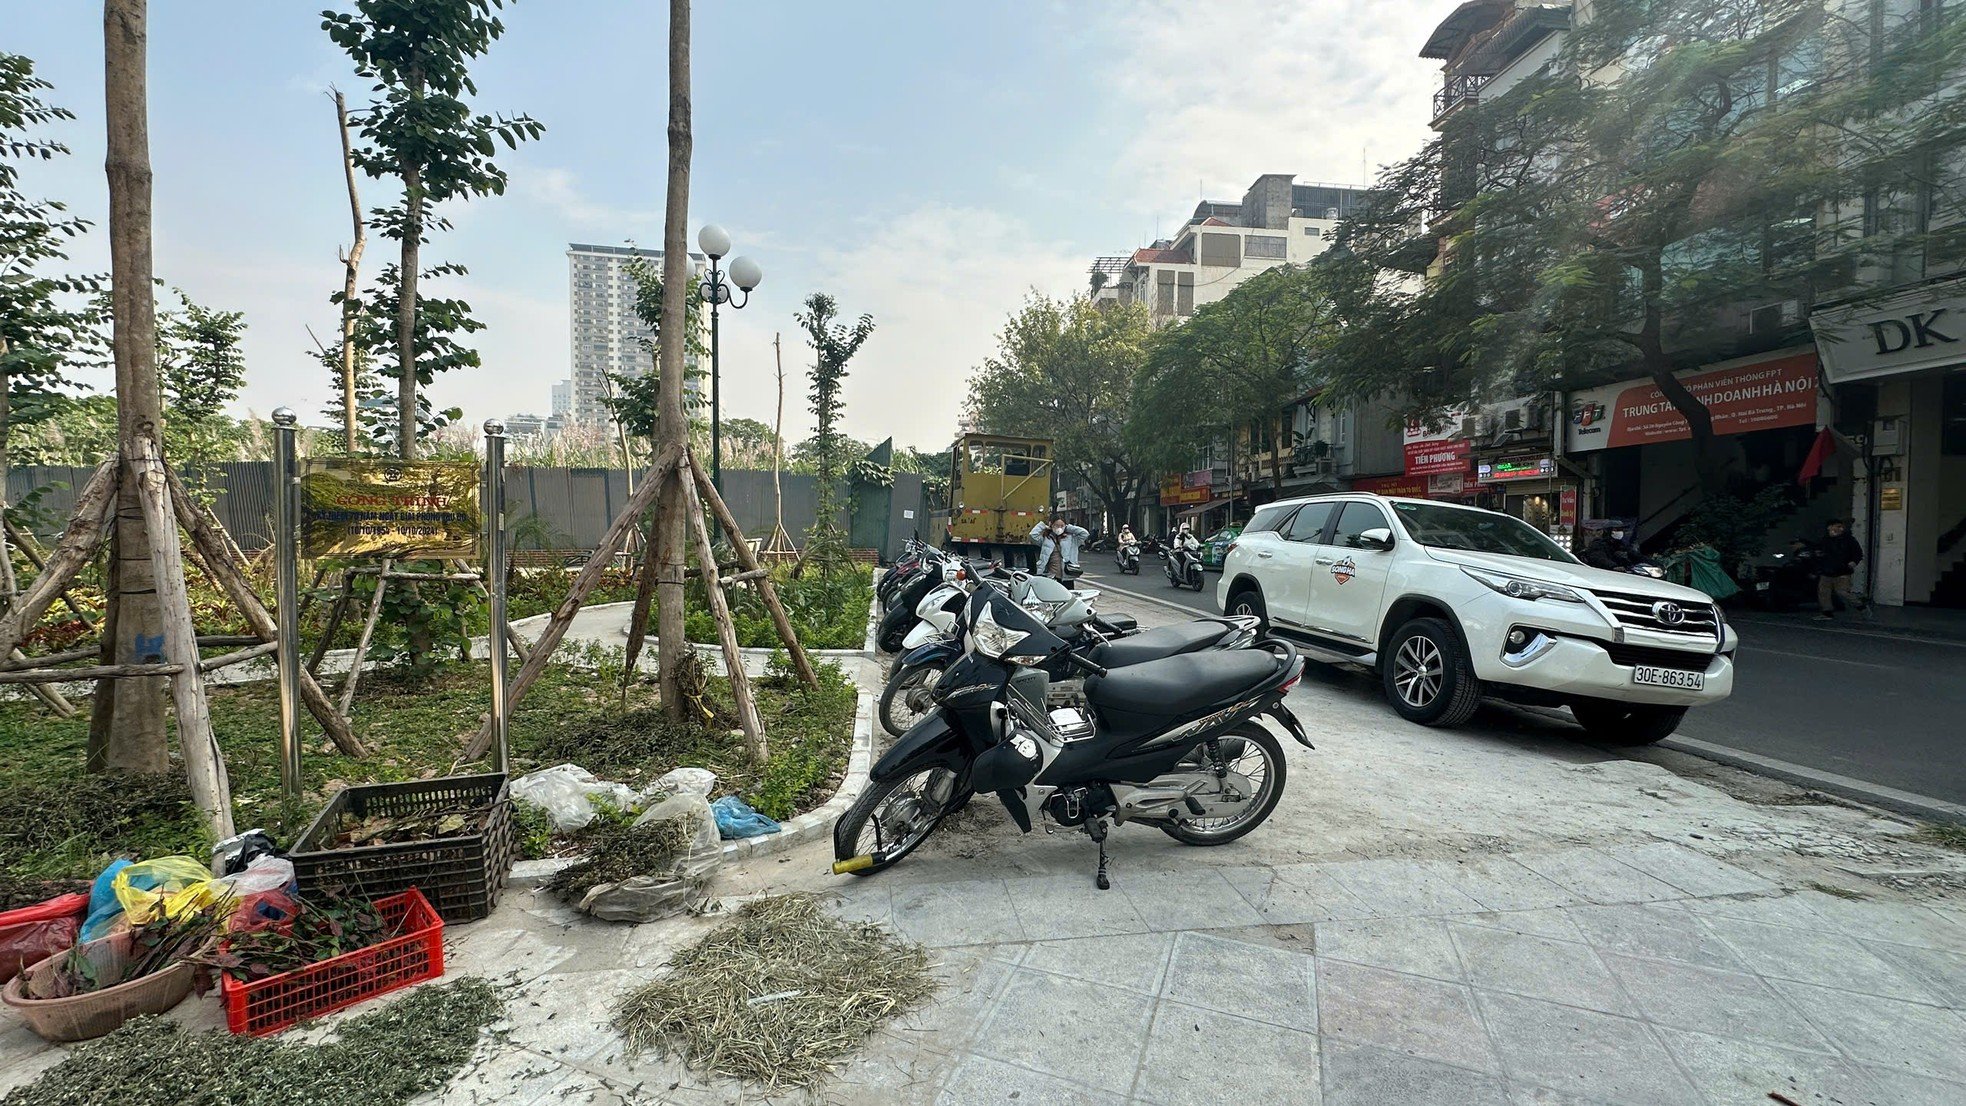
(1173, 743)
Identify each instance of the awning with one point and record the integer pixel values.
(1202, 508)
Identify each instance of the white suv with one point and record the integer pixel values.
(1451, 603)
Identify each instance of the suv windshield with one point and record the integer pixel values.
(1477, 532)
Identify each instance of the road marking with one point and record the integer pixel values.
(1193, 612)
(1754, 649)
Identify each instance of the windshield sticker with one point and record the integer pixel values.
(1344, 570)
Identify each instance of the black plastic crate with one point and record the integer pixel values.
(461, 876)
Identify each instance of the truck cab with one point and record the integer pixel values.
(999, 488)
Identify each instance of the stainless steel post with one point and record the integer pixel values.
(493, 506)
(286, 563)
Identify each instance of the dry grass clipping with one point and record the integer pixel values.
(622, 851)
(777, 995)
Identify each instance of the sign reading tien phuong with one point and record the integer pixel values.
(1760, 395)
(364, 508)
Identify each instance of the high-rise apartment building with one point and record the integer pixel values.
(563, 399)
(608, 337)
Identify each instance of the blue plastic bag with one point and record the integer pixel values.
(104, 907)
(735, 818)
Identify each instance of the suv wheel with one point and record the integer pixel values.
(1427, 675)
(1615, 723)
(1249, 600)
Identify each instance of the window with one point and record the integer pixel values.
(1185, 294)
(1357, 519)
(1477, 531)
(1265, 246)
(1269, 518)
(1313, 232)
(1308, 523)
(1164, 292)
(1221, 250)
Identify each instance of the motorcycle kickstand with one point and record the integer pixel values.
(1097, 829)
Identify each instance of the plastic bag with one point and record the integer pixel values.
(567, 793)
(644, 898)
(682, 781)
(735, 818)
(169, 886)
(105, 911)
(37, 932)
(264, 894)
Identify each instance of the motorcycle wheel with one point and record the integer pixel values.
(1248, 749)
(909, 807)
(897, 713)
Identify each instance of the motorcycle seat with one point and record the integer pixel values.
(1181, 684)
(1157, 644)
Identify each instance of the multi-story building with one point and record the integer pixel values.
(608, 336)
(563, 399)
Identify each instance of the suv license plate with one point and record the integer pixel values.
(1669, 677)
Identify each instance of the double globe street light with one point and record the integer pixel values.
(745, 274)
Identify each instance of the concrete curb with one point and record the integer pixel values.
(1872, 794)
(1188, 612)
(866, 649)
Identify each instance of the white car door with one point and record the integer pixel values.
(1350, 578)
(1285, 565)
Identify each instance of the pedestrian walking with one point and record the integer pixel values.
(1058, 545)
(1837, 558)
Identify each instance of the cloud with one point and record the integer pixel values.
(558, 191)
(1227, 91)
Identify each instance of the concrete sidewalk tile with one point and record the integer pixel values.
(1940, 972)
(1731, 1071)
(1728, 1004)
(1405, 1013)
(967, 987)
(1079, 1031)
(1051, 908)
(506, 1073)
(1196, 899)
(1777, 910)
(1558, 971)
(1902, 1088)
(1596, 876)
(1690, 870)
(886, 1070)
(1547, 922)
(651, 1077)
(866, 902)
(569, 1017)
(967, 912)
(1416, 946)
(1663, 931)
(1527, 1094)
(1358, 1075)
(979, 1079)
(1897, 922)
(1498, 883)
(1134, 961)
(1205, 1057)
(1819, 956)
(1595, 1056)
(1295, 894)
(1401, 888)
(1236, 977)
(1887, 1033)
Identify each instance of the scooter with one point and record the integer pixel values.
(1183, 567)
(1127, 557)
(1172, 743)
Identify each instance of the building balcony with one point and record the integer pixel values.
(1459, 91)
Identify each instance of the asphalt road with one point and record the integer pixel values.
(1846, 699)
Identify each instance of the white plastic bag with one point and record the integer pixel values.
(567, 793)
(652, 895)
(682, 781)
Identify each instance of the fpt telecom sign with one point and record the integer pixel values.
(1758, 395)
(1920, 328)
(363, 508)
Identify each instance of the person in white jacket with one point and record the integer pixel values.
(1058, 545)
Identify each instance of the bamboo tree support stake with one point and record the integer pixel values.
(740, 684)
(93, 509)
(748, 561)
(335, 614)
(24, 542)
(362, 643)
(203, 762)
(204, 531)
(583, 583)
(9, 591)
(638, 621)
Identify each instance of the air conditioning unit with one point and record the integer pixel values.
(1535, 417)
(1471, 426)
(1772, 317)
(1512, 419)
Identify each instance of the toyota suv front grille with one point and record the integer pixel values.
(1645, 612)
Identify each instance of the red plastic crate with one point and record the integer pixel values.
(417, 953)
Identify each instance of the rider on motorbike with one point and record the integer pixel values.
(1610, 550)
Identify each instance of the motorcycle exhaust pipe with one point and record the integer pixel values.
(856, 863)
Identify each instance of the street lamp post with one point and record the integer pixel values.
(745, 274)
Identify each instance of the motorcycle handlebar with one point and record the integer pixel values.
(1090, 666)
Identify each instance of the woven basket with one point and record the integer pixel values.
(85, 1017)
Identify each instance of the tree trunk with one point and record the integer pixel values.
(406, 310)
(134, 736)
(1707, 461)
(672, 428)
(352, 263)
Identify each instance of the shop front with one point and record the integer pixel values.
(1896, 363)
(1191, 497)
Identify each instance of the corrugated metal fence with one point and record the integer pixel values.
(550, 508)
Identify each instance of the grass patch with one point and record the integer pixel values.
(58, 822)
(1946, 835)
(829, 612)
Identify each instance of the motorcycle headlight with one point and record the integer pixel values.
(1521, 587)
(991, 638)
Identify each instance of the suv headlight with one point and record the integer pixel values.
(1521, 587)
(991, 638)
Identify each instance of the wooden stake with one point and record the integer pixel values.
(740, 684)
(749, 562)
(203, 761)
(590, 574)
(24, 542)
(204, 531)
(362, 643)
(335, 614)
(644, 595)
(79, 542)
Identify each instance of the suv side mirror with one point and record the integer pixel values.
(1379, 537)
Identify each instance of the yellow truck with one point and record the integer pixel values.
(999, 488)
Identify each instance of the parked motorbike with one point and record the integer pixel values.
(1173, 743)
(1782, 581)
(1183, 567)
(1127, 557)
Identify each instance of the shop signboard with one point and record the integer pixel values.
(1762, 394)
(1175, 493)
(1919, 328)
(1433, 448)
(353, 507)
(1198, 478)
(1447, 485)
(1505, 470)
(1567, 509)
(1412, 487)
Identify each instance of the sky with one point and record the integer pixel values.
(928, 163)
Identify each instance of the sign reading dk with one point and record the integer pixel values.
(1914, 331)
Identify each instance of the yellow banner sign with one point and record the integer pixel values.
(363, 508)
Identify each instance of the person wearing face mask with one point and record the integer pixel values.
(1610, 550)
(1058, 545)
